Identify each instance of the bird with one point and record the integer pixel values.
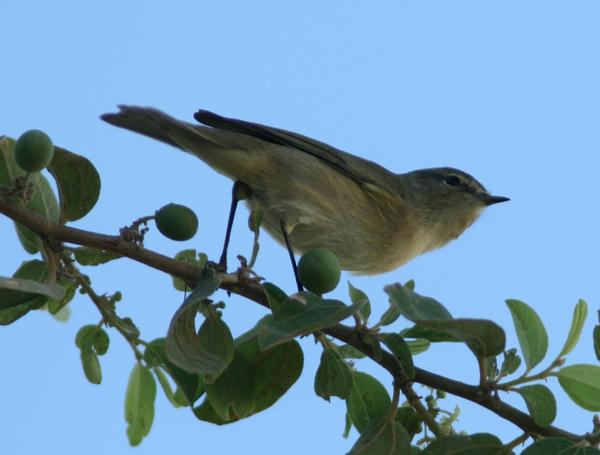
(313, 195)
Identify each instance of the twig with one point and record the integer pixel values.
(526, 378)
(482, 364)
(517, 442)
(100, 303)
(418, 406)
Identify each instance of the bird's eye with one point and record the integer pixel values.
(452, 180)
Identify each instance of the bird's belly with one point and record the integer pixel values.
(364, 254)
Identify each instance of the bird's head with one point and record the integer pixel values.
(446, 200)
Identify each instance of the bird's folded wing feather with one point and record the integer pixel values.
(365, 172)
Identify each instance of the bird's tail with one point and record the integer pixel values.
(232, 154)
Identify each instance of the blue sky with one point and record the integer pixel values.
(507, 91)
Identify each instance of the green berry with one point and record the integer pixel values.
(33, 151)
(176, 222)
(319, 270)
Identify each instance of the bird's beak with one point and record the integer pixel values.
(488, 199)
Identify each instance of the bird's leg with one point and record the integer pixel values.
(288, 244)
(240, 191)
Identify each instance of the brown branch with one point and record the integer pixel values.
(251, 290)
(466, 391)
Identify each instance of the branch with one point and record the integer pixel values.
(51, 231)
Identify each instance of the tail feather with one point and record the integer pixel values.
(149, 122)
(232, 154)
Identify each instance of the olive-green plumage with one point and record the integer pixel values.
(372, 219)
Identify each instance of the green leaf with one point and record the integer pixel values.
(418, 331)
(189, 256)
(303, 314)
(358, 297)
(485, 338)
(276, 298)
(558, 446)
(511, 362)
(347, 426)
(374, 343)
(540, 403)
(8, 166)
(15, 291)
(31, 270)
(92, 338)
(55, 306)
(273, 372)
(255, 220)
(165, 385)
(368, 400)
(582, 384)
(180, 398)
(44, 203)
(139, 403)
(549, 446)
(401, 351)
(596, 340)
(476, 444)
(334, 377)
(232, 394)
(91, 366)
(410, 420)
(62, 315)
(12, 314)
(91, 256)
(579, 317)
(207, 284)
(206, 412)
(390, 315)
(78, 183)
(382, 437)
(418, 346)
(491, 368)
(347, 351)
(189, 384)
(92, 341)
(415, 307)
(208, 352)
(393, 312)
(530, 332)
(486, 438)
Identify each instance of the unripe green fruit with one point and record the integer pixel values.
(33, 151)
(176, 222)
(319, 270)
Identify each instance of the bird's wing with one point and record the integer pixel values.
(366, 173)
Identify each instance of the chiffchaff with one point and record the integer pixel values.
(313, 195)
